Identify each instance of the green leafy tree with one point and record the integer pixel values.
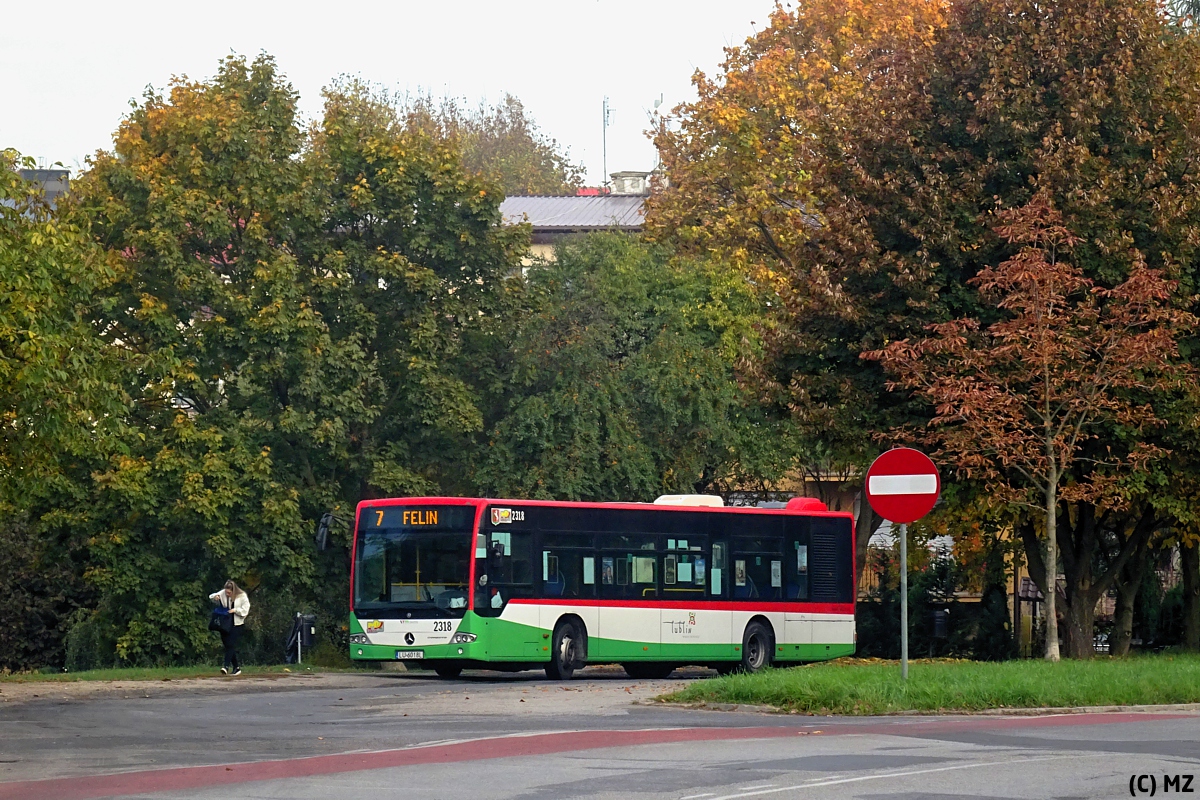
(416, 257)
(500, 142)
(613, 382)
(59, 397)
(296, 299)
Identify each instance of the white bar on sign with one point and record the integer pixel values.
(903, 484)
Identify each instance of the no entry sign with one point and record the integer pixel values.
(903, 485)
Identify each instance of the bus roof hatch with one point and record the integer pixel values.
(710, 500)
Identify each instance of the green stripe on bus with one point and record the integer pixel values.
(504, 641)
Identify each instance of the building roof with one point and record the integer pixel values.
(553, 214)
(52, 182)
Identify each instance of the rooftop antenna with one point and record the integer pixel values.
(609, 115)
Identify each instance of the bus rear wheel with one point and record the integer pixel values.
(568, 651)
(757, 648)
(643, 670)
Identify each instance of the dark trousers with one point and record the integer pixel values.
(230, 641)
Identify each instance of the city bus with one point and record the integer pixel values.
(466, 583)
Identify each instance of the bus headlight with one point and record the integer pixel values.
(359, 638)
(462, 638)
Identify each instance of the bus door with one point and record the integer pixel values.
(798, 620)
(629, 624)
(691, 627)
(504, 572)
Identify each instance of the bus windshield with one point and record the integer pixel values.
(413, 562)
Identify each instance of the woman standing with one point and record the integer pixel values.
(238, 603)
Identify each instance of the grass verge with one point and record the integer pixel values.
(853, 686)
(159, 673)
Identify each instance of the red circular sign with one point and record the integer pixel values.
(903, 485)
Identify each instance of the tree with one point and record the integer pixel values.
(417, 257)
(791, 168)
(1016, 405)
(500, 142)
(296, 301)
(612, 381)
(59, 399)
(849, 157)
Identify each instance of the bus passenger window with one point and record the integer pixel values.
(567, 573)
(643, 569)
(631, 576)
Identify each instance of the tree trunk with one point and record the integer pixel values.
(1051, 589)
(1122, 635)
(1080, 619)
(1128, 584)
(1190, 556)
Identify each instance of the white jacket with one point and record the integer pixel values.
(240, 605)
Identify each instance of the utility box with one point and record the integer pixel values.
(941, 623)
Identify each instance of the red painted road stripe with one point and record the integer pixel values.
(183, 778)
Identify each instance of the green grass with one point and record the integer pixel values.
(160, 673)
(856, 687)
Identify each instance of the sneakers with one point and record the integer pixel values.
(224, 671)
(237, 671)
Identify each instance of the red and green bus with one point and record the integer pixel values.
(456, 583)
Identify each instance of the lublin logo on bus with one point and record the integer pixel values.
(506, 516)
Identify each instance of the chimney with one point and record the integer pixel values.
(631, 183)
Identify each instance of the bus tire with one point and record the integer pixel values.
(758, 647)
(568, 650)
(447, 670)
(647, 670)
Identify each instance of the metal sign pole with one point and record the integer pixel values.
(904, 602)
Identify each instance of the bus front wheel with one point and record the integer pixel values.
(568, 651)
(757, 648)
(447, 671)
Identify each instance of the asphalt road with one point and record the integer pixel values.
(520, 736)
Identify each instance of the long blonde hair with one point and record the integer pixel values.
(237, 590)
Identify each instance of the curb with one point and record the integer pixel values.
(948, 712)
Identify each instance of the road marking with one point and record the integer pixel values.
(756, 786)
(903, 484)
(697, 796)
(835, 782)
(518, 745)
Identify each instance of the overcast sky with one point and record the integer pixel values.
(69, 69)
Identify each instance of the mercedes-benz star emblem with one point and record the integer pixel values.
(409, 638)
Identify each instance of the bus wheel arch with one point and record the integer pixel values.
(568, 647)
(758, 645)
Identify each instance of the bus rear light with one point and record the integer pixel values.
(462, 638)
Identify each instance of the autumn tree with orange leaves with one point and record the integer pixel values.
(1017, 403)
(849, 161)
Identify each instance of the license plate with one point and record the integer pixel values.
(405, 654)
